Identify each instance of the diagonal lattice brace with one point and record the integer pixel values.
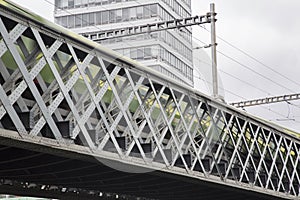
(165, 118)
(7, 105)
(150, 123)
(260, 150)
(29, 80)
(236, 150)
(123, 108)
(14, 34)
(59, 98)
(95, 103)
(63, 88)
(187, 134)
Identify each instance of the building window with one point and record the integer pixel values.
(104, 17)
(148, 53)
(140, 53)
(98, 2)
(92, 2)
(119, 15)
(125, 14)
(104, 2)
(126, 52)
(133, 53)
(139, 12)
(84, 3)
(153, 10)
(98, 18)
(78, 19)
(132, 13)
(64, 21)
(58, 3)
(85, 19)
(64, 4)
(77, 3)
(112, 16)
(92, 19)
(71, 21)
(71, 4)
(147, 12)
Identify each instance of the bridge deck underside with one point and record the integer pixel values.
(57, 86)
(26, 172)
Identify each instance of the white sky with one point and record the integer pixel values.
(267, 30)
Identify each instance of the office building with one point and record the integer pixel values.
(169, 52)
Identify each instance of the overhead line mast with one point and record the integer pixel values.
(186, 22)
(167, 25)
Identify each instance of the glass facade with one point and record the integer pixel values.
(82, 20)
(160, 53)
(172, 48)
(71, 4)
(164, 37)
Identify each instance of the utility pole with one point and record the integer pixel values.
(214, 52)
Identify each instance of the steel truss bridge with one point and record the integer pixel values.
(73, 112)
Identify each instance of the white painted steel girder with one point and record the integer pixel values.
(56, 85)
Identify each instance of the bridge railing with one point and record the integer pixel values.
(58, 85)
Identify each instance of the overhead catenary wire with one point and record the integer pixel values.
(252, 70)
(245, 66)
(253, 58)
(245, 82)
(201, 41)
(234, 60)
(133, 24)
(105, 9)
(292, 104)
(241, 97)
(249, 68)
(235, 77)
(234, 94)
(229, 57)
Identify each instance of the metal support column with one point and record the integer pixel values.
(214, 52)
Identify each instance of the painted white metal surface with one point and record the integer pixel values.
(101, 96)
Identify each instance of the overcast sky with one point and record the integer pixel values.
(267, 30)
